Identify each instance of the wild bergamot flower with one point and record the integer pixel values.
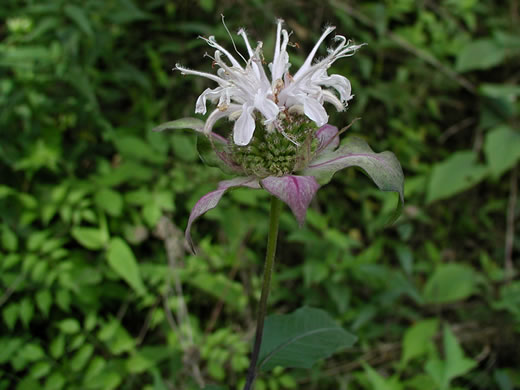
(245, 90)
(281, 141)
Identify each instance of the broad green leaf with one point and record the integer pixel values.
(135, 147)
(10, 314)
(78, 15)
(300, 339)
(90, 238)
(383, 168)
(80, 359)
(184, 123)
(502, 148)
(110, 201)
(450, 283)
(480, 54)
(122, 260)
(8, 347)
(69, 326)
(9, 239)
(417, 339)
(455, 174)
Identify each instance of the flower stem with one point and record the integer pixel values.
(274, 218)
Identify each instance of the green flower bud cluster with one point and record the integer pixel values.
(277, 153)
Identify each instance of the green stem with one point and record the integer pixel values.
(274, 218)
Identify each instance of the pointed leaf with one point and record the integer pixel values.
(457, 363)
(300, 339)
(122, 260)
(455, 174)
(450, 283)
(502, 149)
(480, 54)
(383, 168)
(184, 123)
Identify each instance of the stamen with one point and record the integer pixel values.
(232, 40)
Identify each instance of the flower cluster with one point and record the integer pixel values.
(281, 141)
(245, 90)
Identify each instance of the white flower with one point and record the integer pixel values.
(245, 89)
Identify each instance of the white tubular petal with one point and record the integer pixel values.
(277, 44)
(311, 55)
(211, 94)
(340, 84)
(210, 76)
(266, 106)
(244, 126)
(331, 98)
(213, 43)
(212, 118)
(280, 63)
(243, 34)
(315, 111)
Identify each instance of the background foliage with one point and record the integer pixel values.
(92, 203)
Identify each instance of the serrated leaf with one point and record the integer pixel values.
(455, 174)
(301, 338)
(450, 283)
(502, 148)
(183, 123)
(122, 260)
(480, 54)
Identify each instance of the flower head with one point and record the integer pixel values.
(293, 151)
(245, 92)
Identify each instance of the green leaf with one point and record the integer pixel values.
(480, 54)
(184, 123)
(44, 301)
(90, 238)
(122, 260)
(450, 283)
(134, 147)
(69, 326)
(81, 357)
(9, 239)
(26, 311)
(455, 174)
(379, 382)
(502, 148)
(109, 201)
(78, 16)
(454, 364)
(299, 339)
(215, 387)
(417, 339)
(383, 168)
(10, 314)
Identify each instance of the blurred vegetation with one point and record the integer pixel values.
(93, 204)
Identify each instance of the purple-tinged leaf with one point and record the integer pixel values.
(211, 199)
(296, 191)
(184, 123)
(327, 136)
(215, 153)
(383, 168)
